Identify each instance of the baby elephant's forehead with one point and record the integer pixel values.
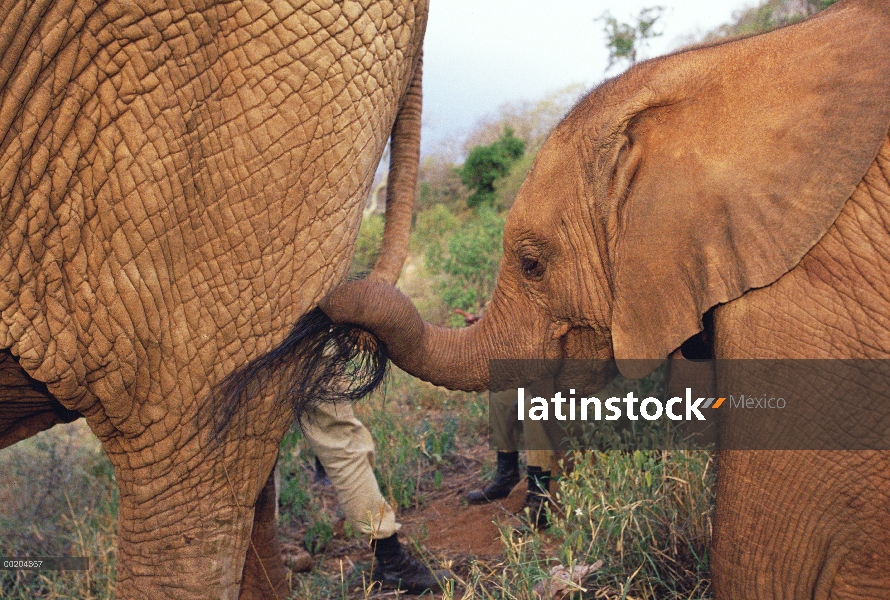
(552, 184)
(538, 214)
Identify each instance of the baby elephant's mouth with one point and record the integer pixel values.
(581, 358)
(579, 342)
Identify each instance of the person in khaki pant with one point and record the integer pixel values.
(540, 462)
(346, 450)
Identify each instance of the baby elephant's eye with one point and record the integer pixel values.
(531, 268)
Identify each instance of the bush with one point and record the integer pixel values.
(439, 183)
(768, 15)
(432, 229)
(468, 263)
(486, 164)
(367, 247)
(507, 187)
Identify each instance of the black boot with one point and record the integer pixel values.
(395, 568)
(538, 497)
(505, 479)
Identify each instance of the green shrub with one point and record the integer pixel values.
(319, 533)
(486, 164)
(468, 266)
(367, 247)
(507, 187)
(432, 228)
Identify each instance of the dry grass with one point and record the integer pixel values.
(58, 498)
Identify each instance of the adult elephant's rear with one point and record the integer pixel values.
(179, 183)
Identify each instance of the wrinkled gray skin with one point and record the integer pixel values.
(179, 183)
(751, 178)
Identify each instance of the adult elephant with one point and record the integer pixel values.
(749, 178)
(179, 183)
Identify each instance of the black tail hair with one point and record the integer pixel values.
(319, 361)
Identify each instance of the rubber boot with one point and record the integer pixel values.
(395, 568)
(505, 479)
(538, 497)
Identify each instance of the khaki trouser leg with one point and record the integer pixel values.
(540, 458)
(346, 449)
(537, 440)
(503, 426)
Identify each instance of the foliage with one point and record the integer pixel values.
(485, 164)
(409, 455)
(768, 15)
(507, 187)
(433, 227)
(625, 40)
(295, 499)
(469, 261)
(58, 498)
(439, 183)
(525, 563)
(416, 428)
(647, 514)
(319, 532)
(367, 247)
(530, 121)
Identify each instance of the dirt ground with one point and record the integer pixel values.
(445, 529)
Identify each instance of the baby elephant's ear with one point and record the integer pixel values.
(739, 158)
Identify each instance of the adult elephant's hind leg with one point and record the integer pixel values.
(185, 520)
(265, 575)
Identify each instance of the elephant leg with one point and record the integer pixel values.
(185, 520)
(265, 575)
(795, 524)
(27, 406)
(182, 552)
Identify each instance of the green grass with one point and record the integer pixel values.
(58, 498)
(416, 427)
(646, 514)
(525, 563)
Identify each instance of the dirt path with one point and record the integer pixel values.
(447, 529)
(448, 525)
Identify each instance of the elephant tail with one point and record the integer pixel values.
(318, 362)
(401, 181)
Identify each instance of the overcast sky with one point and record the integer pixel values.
(480, 54)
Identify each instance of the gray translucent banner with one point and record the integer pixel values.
(44, 563)
(683, 404)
